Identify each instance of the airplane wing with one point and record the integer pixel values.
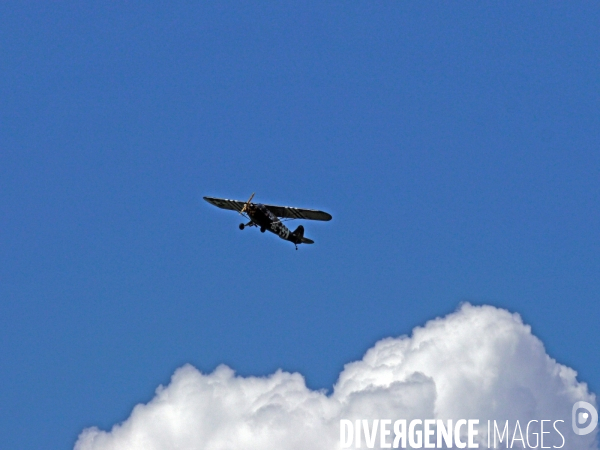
(224, 203)
(280, 211)
(298, 213)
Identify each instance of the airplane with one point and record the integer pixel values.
(268, 217)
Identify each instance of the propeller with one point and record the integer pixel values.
(246, 204)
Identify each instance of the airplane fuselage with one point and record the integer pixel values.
(266, 220)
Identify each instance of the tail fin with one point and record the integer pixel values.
(299, 236)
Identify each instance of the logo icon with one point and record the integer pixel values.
(580, 418)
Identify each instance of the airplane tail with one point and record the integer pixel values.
(299, 238)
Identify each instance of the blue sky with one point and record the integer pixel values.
(455, 145)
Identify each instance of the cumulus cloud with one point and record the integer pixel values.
(480, 363)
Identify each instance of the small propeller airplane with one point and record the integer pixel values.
(268, 217)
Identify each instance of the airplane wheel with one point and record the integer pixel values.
(241, 226)
(262, 229)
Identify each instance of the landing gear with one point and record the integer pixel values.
(242, 226)
(262, 229)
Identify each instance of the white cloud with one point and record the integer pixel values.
(477, 363)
